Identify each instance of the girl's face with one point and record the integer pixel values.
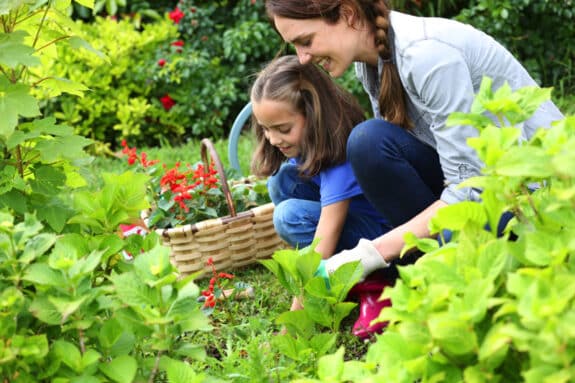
(283, 126)
(333, 46)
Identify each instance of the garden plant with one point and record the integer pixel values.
(73, 308)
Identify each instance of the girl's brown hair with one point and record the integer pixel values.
(375, 14)
(330, 114)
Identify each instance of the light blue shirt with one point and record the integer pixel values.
(441, 64)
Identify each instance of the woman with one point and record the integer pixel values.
(416, 72)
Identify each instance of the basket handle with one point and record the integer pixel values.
(206, 145)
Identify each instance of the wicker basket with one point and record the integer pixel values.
(233, 241)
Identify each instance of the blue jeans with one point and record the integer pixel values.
(298, 208)
(399, 175)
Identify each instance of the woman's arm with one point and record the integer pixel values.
(330, 226)
(381, 251)
(389, 245)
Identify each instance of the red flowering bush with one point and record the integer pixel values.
(191, 193)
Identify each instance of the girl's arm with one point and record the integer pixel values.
(330, 226)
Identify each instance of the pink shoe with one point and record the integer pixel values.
(369, 292)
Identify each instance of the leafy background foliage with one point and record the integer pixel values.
(482, 308)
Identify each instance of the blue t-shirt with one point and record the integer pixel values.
(338, 183)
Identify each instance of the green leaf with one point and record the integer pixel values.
(86, 265)
(45, 311)
(330, 367)
(15, 100)
(121, 369)
(7, 175)
(456, 216)
(307, 265)
(180, 372)
(42, 274)
(461, 119)
(495, 345)
(132, 292)
(344, 278)
(525, 161)
(68, 354)
(66, 306)
(55, 86)
(48, 180)
(340, 311)
(294, 348)
(14, 52)
(298, 322)
(453, 335)
(90, 358)
(319, 310)
(485, 93)
(323, 343)
(194, 351)
(51, 150)
(86, 3)
(36, 247)
(55, 212)
(110, 333)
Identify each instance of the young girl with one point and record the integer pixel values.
(416, 71)
(302, 121)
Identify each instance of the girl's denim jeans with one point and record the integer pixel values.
(297, 211)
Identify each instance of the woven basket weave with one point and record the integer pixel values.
(232, 241)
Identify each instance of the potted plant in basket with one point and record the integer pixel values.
(200, 214)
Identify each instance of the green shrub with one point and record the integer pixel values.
(122, 100)
(538, 32)
(225, 44)
(484, 307)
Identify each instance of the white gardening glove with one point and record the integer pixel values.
(365, 252)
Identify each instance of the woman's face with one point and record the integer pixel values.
(283, 126)
(333, 46)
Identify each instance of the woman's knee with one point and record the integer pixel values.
(371, 137)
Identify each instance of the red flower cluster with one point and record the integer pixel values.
(176, 15)
(211, 293)
(162, 62)
(177, 183)
(133, 156)
(167, 102)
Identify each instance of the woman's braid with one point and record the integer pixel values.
(381, 27)
(391, 100)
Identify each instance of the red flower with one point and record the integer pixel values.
(167, 102)
(176, 15)
(162, 62)
(131, 152)
(178, 44)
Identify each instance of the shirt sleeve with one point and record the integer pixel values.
(338, 183)
(439, 82)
